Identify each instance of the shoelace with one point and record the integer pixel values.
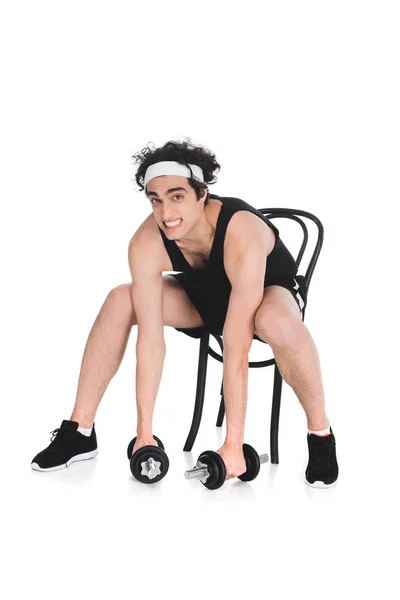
(56, 433)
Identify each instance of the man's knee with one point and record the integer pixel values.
(275, 325)
(120, 300)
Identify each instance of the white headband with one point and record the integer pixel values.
(171, 167)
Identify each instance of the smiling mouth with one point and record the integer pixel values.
(175, 226)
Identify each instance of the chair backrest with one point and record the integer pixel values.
(294, 214)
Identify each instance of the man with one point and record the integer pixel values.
(236, 279)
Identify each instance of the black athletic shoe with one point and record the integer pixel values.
(67, 446)
(322, 469)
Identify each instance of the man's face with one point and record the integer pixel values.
(173, 199)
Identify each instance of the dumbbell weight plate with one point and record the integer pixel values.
(132, 443)
(216, 468)
(143, 455)
(252, 463)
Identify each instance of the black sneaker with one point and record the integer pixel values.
(67, 446)
(322, 469)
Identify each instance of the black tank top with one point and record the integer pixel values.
(280, 264)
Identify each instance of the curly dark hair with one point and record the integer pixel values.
(183, 152)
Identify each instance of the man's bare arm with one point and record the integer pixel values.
(245, 263)
(246, 297)
(145, 263)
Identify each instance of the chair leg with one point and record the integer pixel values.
(221, 412)
(200, 389)
(276, 405)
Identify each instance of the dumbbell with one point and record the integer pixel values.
(211, 471)
(149, 464)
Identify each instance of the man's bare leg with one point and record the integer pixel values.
(279, 323)
(299, 365)
(104, 351)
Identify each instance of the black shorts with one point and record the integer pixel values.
(214, 323)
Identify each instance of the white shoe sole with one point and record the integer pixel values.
(84, 456)
(320, 484)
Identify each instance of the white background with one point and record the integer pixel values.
(300, 102)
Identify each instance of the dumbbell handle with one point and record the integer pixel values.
(197, 473)
(202, 472)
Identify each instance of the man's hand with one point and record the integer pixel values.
(234, 460)
(140, 442)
